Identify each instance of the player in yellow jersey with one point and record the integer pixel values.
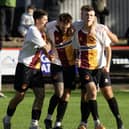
(91, 60)
(105, 87)
(61, 33)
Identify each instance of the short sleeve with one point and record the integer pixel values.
(35, 36)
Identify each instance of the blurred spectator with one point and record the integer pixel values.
(127, 35)
(27, 3)
(101, 9)
(53, 8)
(7, 8)
(26, 20)
(38, 3)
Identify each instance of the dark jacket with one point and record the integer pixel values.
(53, 8)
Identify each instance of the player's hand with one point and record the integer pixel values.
(106, 69)
(78, 62)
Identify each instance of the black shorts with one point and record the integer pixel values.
(98, 76)
(69, 75)
(56, 73)
(87, 76)
(29, 76)
(104, 79)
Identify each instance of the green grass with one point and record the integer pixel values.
(21, 119)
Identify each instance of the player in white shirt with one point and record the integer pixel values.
(61, 35)
(105, 88)
(56, 76)
(79, 23)
(91, 61)
(28, 71)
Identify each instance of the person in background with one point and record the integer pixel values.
(27, 3)
(127, 35)
(101, 9)
(28, 71)
(106, 89)
(7, 9)
(53, 8)
(26, 20)
(1, 94)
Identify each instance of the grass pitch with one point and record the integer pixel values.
(22, 117)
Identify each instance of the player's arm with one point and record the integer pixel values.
(111, 35)
(76, 47)
(47, 49)
(108, 58)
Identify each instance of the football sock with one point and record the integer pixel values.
(36, 114)
(115, 110)
(61, 110)
(49, 117)
(53, 103)
(83, 123)
(10, 111)
(85, 111)
(114, 107)
(94, 109)
(96, 123)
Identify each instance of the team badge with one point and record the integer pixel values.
(106, 80)
(80, 39)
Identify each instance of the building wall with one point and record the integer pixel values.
(118, 19)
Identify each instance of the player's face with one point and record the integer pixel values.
(64, 27)
(42, 22)
(88, 17)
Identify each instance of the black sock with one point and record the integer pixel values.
(115, 110)
(94, 109)
(53, 103)
(10, 111)
(114, 107)
(85, 111)
(36, 114)
(61, 110)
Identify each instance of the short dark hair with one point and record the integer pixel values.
(87, 8)
(31, 7)
(39, 13)
(65, 18)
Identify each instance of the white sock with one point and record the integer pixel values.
(83, 123)
(58, 124)
(34, 122)
(97, 122)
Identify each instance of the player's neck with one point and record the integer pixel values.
(87, 28)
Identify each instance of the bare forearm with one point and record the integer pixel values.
(108, 57)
